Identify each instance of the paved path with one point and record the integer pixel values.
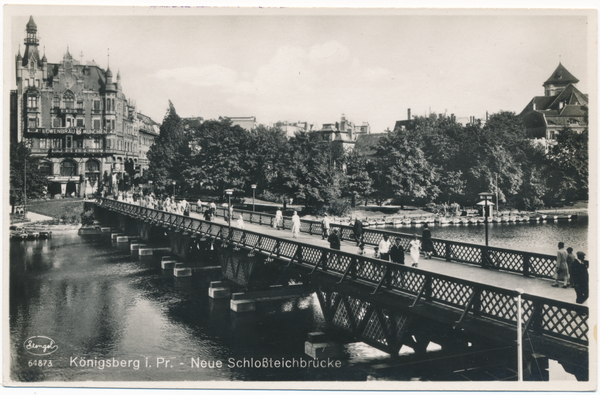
(530, 285)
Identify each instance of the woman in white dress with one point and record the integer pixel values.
(295, 225)
(415, 250)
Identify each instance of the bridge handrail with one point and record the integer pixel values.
(556, 319)
(523, 262)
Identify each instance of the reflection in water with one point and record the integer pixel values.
(540, 237)
(103, 307)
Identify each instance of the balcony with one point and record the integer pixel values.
(35, 109)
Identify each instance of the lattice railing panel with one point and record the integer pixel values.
(369, 271)
(358, 308)
(498, 305)
(340, 318)
(565, 322)
(312, 256)
(407, 281)
(338, 263)
(541, 266)
(450, 292)
(374, 331)
(287, 249)
(507, 260)
(464, 253)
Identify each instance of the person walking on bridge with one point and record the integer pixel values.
(334, 240)
(358, 231)
(278, 219)
(428, 248)
(561, 271)
(295, 225)
(415, 250)
(581, 277)
(325, 227)
(384, 248)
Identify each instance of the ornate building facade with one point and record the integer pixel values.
(76, 118)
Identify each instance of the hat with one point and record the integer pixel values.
(580, 254)
(326, 214)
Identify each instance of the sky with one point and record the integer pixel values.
(315, 65)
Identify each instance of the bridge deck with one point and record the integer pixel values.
(532, 285)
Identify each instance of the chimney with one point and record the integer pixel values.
(408, 115)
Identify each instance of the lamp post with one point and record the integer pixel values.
(253, 186)
(151, 186)
(174, 182)
(229, 192)
(486, 196)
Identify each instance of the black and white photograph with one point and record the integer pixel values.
(299, 198)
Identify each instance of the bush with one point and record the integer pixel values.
(340, 208)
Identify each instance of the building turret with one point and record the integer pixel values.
(558, 81)
(31, 43)
(44, 67)
(119, 80)
(19, 65)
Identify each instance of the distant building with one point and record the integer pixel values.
(77, 120)
(344, 133)
(291, 129)
(464, 121)
(247, 123)
(562, 105)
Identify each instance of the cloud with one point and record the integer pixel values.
(331, 52)
(209, 75)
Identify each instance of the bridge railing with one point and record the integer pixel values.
(522, 262)
(543, 316)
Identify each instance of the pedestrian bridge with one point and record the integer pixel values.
(384, 304)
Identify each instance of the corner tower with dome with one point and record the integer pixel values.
(77, 120)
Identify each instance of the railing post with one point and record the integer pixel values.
(485, 258)
(526, 264)
(428, 288)
(448, 251)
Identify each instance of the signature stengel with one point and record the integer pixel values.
(40, 345)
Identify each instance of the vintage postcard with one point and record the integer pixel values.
(299, 198)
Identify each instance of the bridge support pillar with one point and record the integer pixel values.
(242, 305)
(218, 290)
(318, 346)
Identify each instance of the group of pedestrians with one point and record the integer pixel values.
(168, 204)
(572, 271)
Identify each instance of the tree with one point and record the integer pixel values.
(568, 172)
(219, 156)
(402, 171)
(309, 171)
(358, 183)
(167, 155)
(25, 169)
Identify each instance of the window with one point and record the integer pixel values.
(96, 105)
(80, 123)
(69, 99)
(42, 143)
(96, 124)
(97, 143)
(79, 144)
(56, 102)
(32, 102)
(32, 123)
(56, 123)
(80, 104)
(37, 83)
(56, 143)
(68, 168)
